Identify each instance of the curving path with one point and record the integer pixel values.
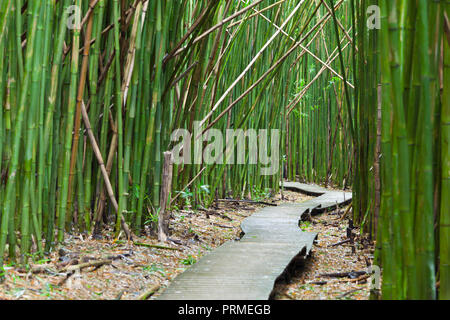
(247, 269)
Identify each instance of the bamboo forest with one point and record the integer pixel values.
(300, 146)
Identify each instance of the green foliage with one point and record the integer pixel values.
(155, 268)
(153, 218)
(190, 260)
(200, 193)
(261, 194)
(47, 291)
(187, 195)
(305, 225)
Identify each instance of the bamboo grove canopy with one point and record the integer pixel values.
(358, 88)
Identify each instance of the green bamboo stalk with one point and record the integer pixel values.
(387, 255)
(444, 231)
(68, 132)
(402, 172)
(10, 186)
(118, 105)
(425, 259)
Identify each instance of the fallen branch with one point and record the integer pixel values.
(287, 295)
(241, 215)
(38, 269)
(351, 274)
(97, 263)
(210, 213)
(222, 226)
(176, 241)
(345, 212)
(118, 256)
(364, 277)
(348, 293)
(248, 201)
(223, 216)
(148, 245)
(147, 294)
(71, 270)
(339, 243)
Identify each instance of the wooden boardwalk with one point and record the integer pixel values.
(247, 269)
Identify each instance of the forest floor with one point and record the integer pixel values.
(141, 270)
(121, 269)
(334, 270)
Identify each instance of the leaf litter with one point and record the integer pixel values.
(336, 268)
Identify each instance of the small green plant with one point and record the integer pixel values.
(203, 193)
(187, 195)
(300, 114)
(306, 287)
(36, 257)
(155, 268)
(190, 260)
(192, 231)
(43, 261)
(200, 194)
(259, 195)
(47, 290)
(333, 81)
(300, 85)
(153, 218)
(305, 225)
(135, 190)
(204, 189)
